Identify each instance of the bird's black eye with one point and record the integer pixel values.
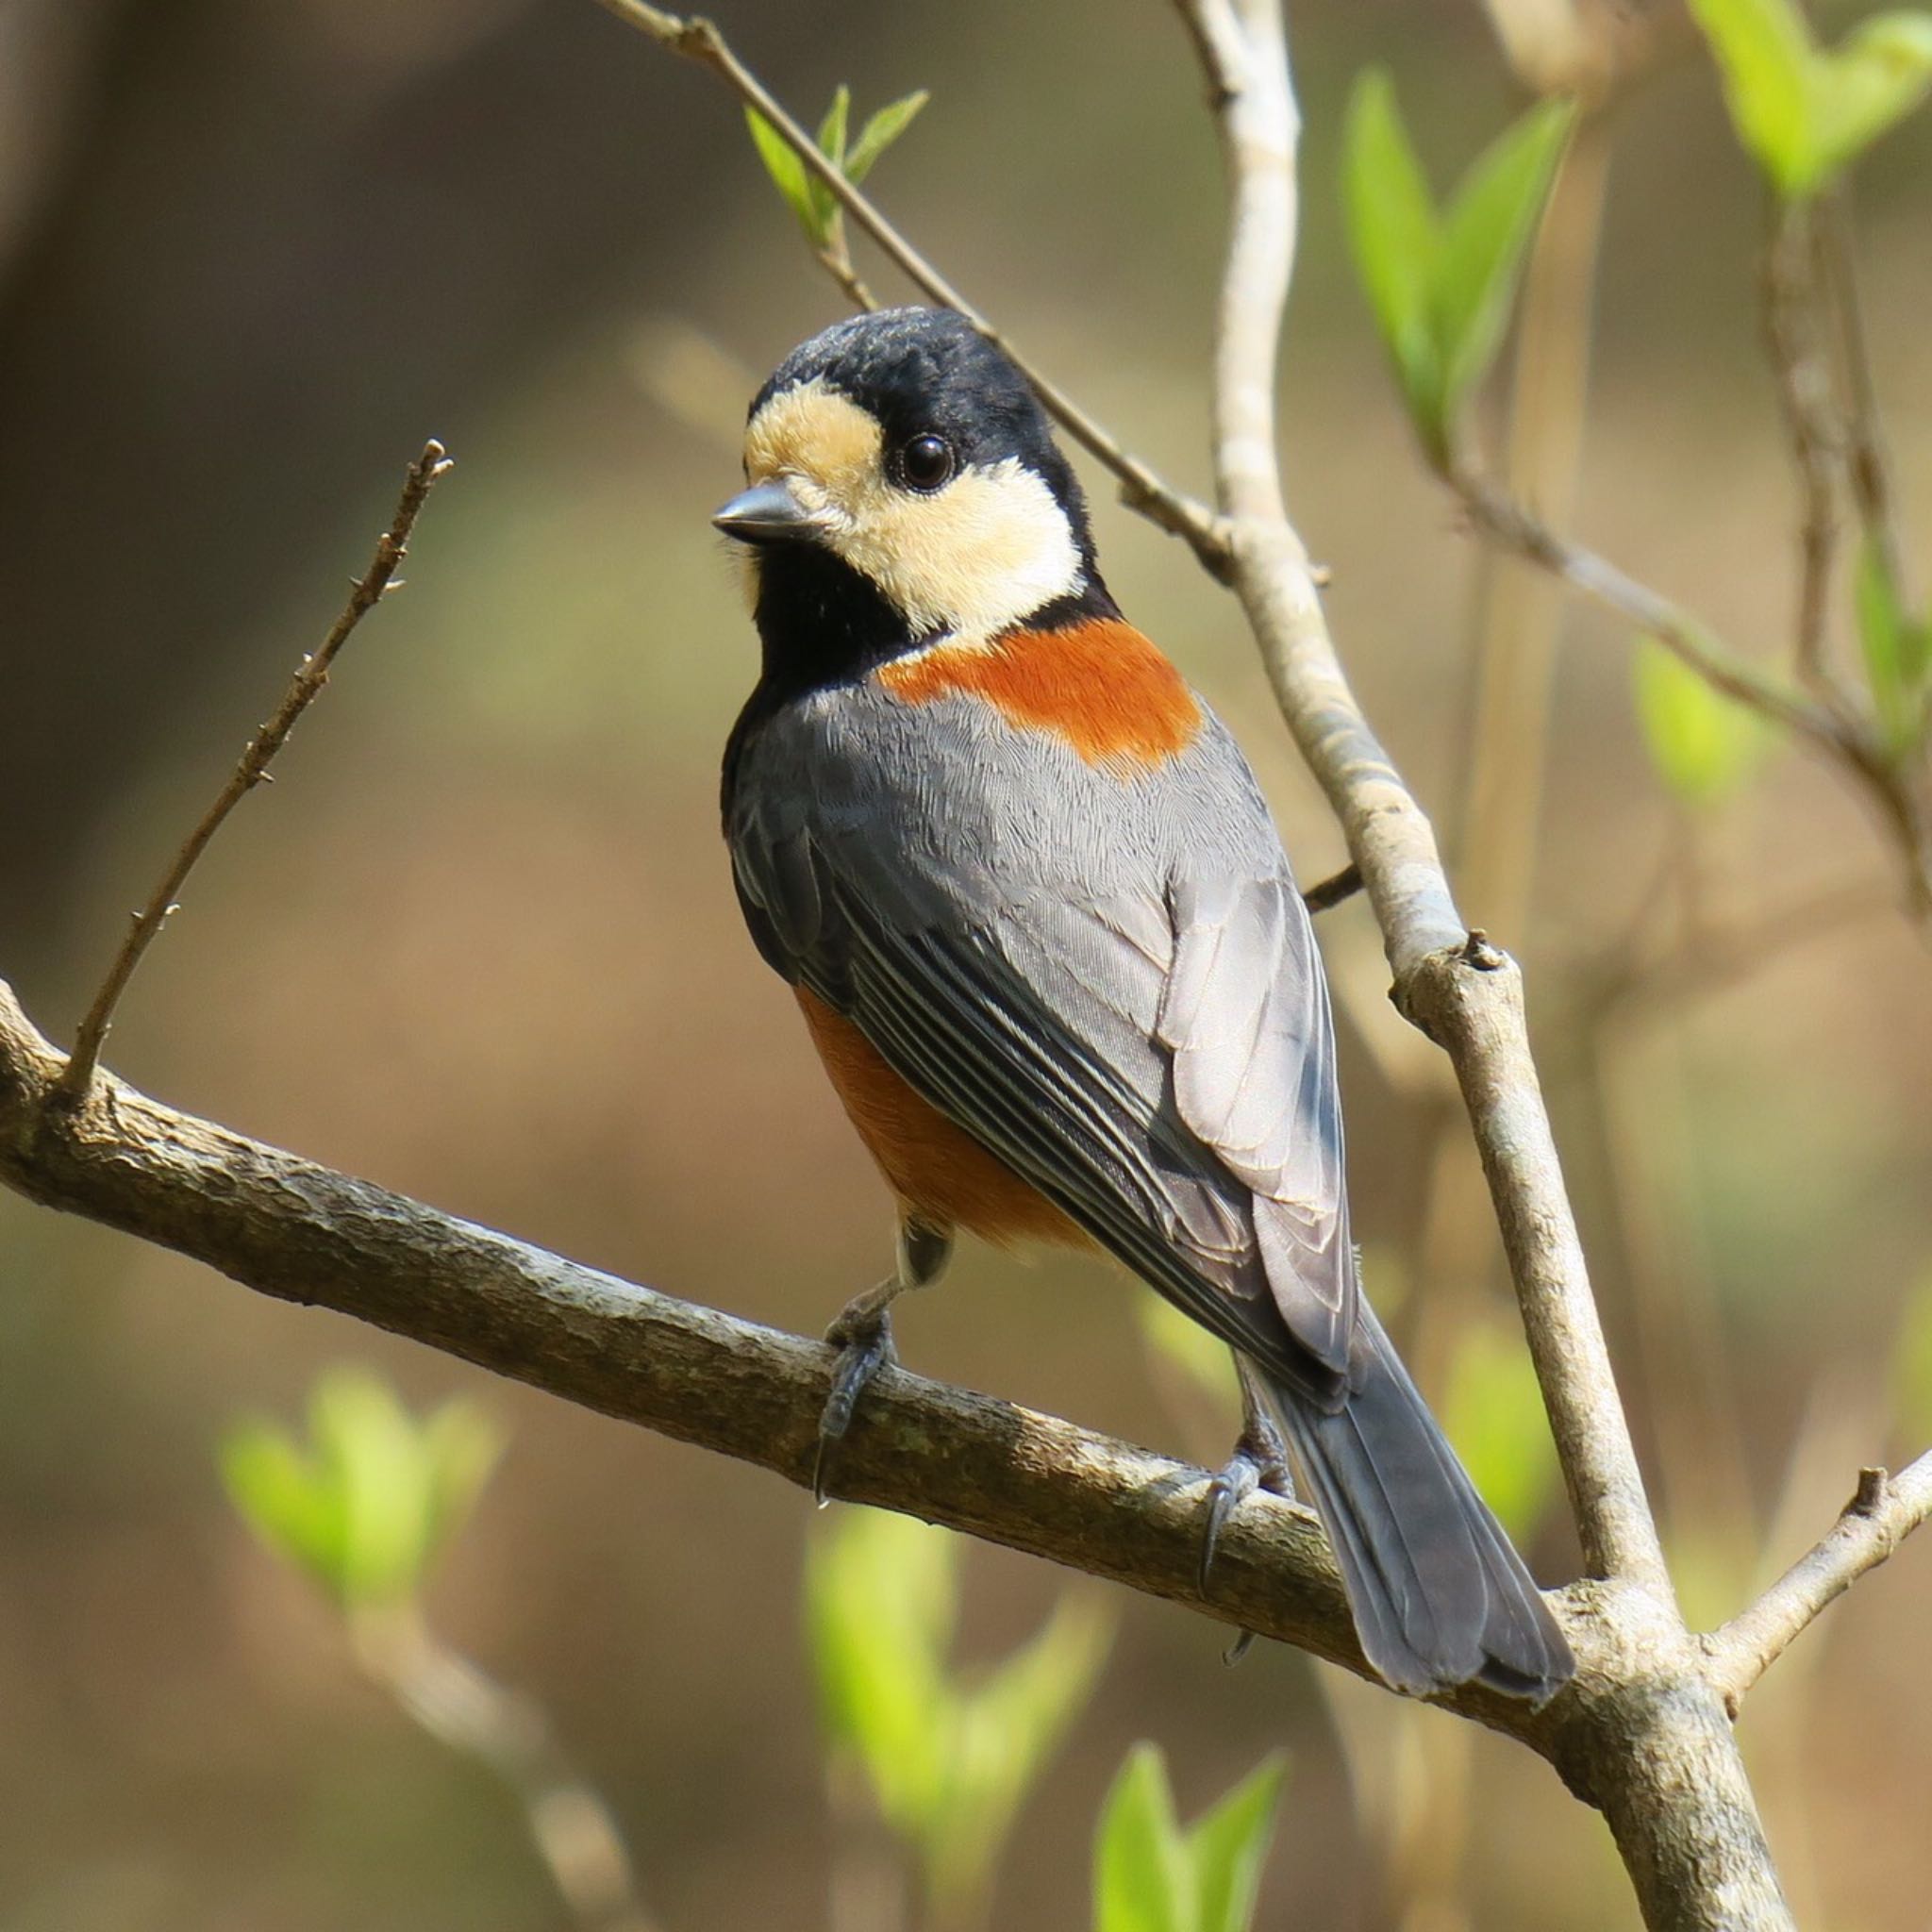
(927, 461)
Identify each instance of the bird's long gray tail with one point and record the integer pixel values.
(1439, 1593)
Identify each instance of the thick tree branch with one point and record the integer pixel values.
(252, 767)
(305, 1234)
(1884, 1511)
(698, 39)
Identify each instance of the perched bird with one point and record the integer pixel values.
(1048, 945)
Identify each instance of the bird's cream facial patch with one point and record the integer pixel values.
(968, 559)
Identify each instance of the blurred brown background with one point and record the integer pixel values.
(479, 942)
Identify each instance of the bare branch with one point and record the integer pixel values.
(1461, 992)
(1844, 738)
(303, 1232)
(1882, 1511)
(1334, 890)
(379, 578)
(1141, 488)
(1865, 461)
(1519, 529)
(1804, 397)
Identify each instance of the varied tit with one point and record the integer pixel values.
(1048, 946)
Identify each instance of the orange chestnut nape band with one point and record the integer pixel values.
(1100, 684)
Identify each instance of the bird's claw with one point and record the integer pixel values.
(1253, 1466)
(864, 1349)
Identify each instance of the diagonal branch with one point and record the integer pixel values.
(1462, 993)
(1882, 1511)
(252, 767)
(303, 1232)
(698, 39)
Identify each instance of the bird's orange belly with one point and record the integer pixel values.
(938, 1169)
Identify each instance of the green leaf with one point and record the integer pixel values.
(1230, 1846)
(1897, 649)
(1803, 114)
(788, 173)
(1705, 746)
(1493, 1412)
(880, 131)
(1003, 1733)
(1181, 1341)
(367, 1507)
(824, 204)
(277, 1492)
(1488, 229)
(1442, 288)
(882, 1596)
(1393, 236)
(1763, 51)
(1143, 1872)
(1866, 87)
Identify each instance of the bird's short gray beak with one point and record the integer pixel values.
(767, 514)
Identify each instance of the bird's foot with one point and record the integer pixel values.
(864, 1340)
(1259, 1463)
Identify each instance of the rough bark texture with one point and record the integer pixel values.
(306, 1234)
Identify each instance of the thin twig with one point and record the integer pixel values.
(1828, 721)
(1882, 1511)
(1805, 400)
(1865, 461)
(1518, 528)
(252, 768)
(698, 39)
(1334, 890)
(1649, 971)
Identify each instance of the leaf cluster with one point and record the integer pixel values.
(369, 1502)
(949, 1755)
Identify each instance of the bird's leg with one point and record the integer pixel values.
(1259, 1462)
(863, 1334)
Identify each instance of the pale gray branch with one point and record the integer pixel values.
(1464, 994)
(1882, 1511)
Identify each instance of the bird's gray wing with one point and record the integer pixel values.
(1245, 1014)
(1159, 1064)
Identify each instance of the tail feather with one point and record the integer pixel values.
(1440, 1595)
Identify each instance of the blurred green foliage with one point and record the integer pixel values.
(1704, 745)
(1153, 1874)
(367, 1504)
(1897, 650)
(949, 1755)
(807, 197)
(1805, 112)
(1441, 282)
(1202, 1359)
(1493, 1412)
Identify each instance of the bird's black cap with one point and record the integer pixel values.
(929, 372)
